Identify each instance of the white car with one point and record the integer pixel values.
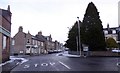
(115, 50)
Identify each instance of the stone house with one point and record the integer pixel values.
(18, 42)
(111, 32)
(42, 44)
(27, 44)
(50, 46)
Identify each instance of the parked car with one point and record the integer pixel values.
(115, 50)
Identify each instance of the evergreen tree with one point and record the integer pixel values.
(71, 43)
(92, 29)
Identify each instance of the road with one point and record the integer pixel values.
(51, 62)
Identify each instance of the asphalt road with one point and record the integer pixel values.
(61, 64)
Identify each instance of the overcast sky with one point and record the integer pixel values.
(54, 16)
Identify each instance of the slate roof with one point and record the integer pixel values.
(113, 28)
(40, 38)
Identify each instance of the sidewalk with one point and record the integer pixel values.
(67, 54)
(12, 63)
(93, 55)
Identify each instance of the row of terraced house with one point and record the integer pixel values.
(26, 44)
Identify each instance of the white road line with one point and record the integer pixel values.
(118, 64)
(52, 63)
(64, 65)
(26, 66)
(36, 65)
(17, 63)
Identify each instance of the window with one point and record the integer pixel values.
(27, 46)
(21, 52)
(42, 44)
(28, 41)
(114, 31)
(4, 42)
(13, 42)
(105, 32)
(33, 42)
(38, 42)
(47, 38)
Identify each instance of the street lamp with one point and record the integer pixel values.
(77, 44)
(118, 29)
(79, 36)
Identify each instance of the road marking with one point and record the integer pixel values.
(52, 63)
(27, 66)
(44, 64)
(118, 64)
(36, 65)
(17, 63)
(64, 65)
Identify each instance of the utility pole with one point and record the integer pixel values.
(79, 36)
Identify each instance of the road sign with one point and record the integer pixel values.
(85, 49)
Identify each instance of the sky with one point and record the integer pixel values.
(55, 17)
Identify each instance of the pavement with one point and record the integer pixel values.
(66, 54)
(12, 63)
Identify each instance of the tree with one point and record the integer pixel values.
(71, 43)
(111, 43)
(92, 29)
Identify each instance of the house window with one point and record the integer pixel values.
(47, 38)
(114, 31)
(28, 41)
(105, 32)
(21, 52)
(27, 46)
(42, 44)
(4, 42)
(33, 42)
(13, 42)
(38, 42)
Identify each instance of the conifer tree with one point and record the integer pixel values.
(92, 30)
(71, 43)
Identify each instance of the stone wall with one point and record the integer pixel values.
(104, 53)
(96, 53)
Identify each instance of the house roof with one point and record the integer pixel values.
(113, 28)
(40, 38)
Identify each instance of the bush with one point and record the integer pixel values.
(111, 43)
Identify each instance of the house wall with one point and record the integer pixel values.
(28, 43)
(5, 34)
(19, 43)
(0, 47)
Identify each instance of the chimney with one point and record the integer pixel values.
(20, 29)
(108, 26)
(8, 8)
(40, 33)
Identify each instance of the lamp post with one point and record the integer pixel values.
(79, 43)
(119, 36)
(118, 29)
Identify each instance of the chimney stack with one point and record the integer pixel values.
(8, 8)
(20, 29)
(40, 33)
